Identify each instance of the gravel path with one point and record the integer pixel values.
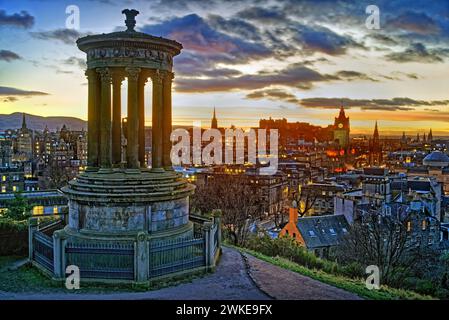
(284, 284)
(237, 277)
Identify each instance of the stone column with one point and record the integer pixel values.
(132, 149)
(156, 146)
(167, 121)
(141, 98)
(117, 78)
(92, 119)
(105, 119)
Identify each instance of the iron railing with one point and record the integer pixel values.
(43, 250)
(102, 261)
(172, 256)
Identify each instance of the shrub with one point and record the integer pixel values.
(13, 237)
(288, 248)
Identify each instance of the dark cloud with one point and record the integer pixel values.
(67, 36)
(416, 22)
(10, 99)
(417, 52)
(383, 39)
(198, 36)
(263, 15)
(350, 75)
(273, 94)
(321, 39)
(296, 75)
(395, 104)
(9, 56)
(235, 27)
(21, 20)
(75, 61)
(9, 91)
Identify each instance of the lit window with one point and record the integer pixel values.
(55, 210)
(409, 226)
(3, 178)
(424, 225)
(15, 188)
(3, 188)
(37, 210)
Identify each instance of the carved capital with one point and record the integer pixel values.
(168, 76)
(91, 74)
(157, 77)
(105, 75)
(133, 73)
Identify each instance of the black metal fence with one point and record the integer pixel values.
(172, 256)
(102, 261)
(43, 250)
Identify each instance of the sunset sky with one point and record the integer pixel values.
(250, 59)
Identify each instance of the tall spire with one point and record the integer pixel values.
(24, 124)
(430, 136)
(214, 122)
(376, 132)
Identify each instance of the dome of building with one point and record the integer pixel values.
(436, 159)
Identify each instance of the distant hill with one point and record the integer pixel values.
(14, 121)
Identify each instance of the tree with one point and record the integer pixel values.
(57, 176)
(18, 208)
(384, 241)
(237, 200)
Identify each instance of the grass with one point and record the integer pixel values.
(356, 286)
(28, 279)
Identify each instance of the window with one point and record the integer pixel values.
(344, 230)
(3, 188)
(3, 178)
(55, 210)
(37, 210)
(311, 233)
(424, 225)
(15, 188)
(332, 231)
(409, 226)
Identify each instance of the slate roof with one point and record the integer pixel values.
(322, 231)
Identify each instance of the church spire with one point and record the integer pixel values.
(376, 132)
(430, 136)
(214, 122)
(24, 124)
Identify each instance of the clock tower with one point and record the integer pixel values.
(341, 129)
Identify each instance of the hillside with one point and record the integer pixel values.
(14, 121)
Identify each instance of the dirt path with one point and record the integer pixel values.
(284, 284)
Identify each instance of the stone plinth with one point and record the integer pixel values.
(124, 202)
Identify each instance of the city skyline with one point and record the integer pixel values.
(267, 58)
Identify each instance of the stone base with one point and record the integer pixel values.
(128, 202)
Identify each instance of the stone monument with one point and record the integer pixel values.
(117, 201)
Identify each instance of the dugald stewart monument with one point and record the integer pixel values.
(128, 222)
